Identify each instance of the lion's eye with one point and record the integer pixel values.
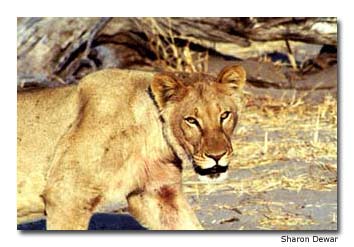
(225, 115)
(191, 120)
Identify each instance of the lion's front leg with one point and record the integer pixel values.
(69, 209)
(164, 208)
(67, 219)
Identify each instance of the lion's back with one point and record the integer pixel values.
(44, 116)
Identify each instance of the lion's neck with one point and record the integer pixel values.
(177, 150)
(174, 145)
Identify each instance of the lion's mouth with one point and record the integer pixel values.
(215, 170)
(215, 173)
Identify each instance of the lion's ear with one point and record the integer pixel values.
(235, 75)
(165, 87)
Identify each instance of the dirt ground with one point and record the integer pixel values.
(283, 175)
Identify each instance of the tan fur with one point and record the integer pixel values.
(83, 148)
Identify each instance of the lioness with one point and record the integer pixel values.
(123, 135)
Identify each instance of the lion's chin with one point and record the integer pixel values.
(213, 178)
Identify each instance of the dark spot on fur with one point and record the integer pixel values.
(124, 133)
(112, 137)
(94, 202)
(167, 195)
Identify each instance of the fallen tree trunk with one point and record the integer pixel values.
(53, 51)
(242, 30)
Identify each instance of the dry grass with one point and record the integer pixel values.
(170, 56)
(282, 221)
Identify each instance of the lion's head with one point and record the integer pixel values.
(201, 112)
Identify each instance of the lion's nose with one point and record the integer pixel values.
(215, 157)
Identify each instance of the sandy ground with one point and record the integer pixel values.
(283, 176)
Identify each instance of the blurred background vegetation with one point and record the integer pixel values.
(276, 52)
